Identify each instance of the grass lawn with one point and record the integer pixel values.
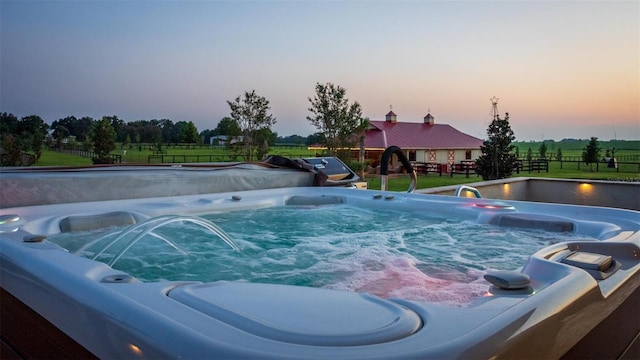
(54, 158)
(626, 172)
(569, 170)
(401, 182)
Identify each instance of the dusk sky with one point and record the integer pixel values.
(561, 69)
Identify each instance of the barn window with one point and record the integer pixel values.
(412, 155)
(467, 155)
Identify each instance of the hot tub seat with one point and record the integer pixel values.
(99, 221)
(533, 221)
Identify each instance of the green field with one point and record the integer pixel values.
(568, 171)
(625, 172)
(573, 149)
(53, 158)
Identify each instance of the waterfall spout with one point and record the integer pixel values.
(134, 233)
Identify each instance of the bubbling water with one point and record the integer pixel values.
(385, 253)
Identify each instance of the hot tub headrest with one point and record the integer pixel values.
(99, 221)
(314, 200)
(534, 221)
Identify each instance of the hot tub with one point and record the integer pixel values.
(539, 308)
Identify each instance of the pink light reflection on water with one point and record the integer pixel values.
(400, 278)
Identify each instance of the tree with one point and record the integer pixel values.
(103, 137)
(559, 154)
(169, 132)
(250, 112)
(591, 152)
(227, 126)
(543, 150)
(206, 135)
(36, 129)
(82, 128)
(317, 138)
(70, 126)
(12, 154)
(264, 138)
(188, 133)
(62, 129)
(24, 135)
(291, 139)
(497, 160)
(8, 123)
(60, 133)
(340, 123)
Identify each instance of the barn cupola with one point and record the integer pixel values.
(429, 119)
(391, 116)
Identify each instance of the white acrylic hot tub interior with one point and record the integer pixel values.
(410, 254)
(236, 317)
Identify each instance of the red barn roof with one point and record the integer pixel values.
(383, 134)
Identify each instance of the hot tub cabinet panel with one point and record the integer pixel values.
(114, 315)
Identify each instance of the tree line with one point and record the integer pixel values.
(339, 122)
(248, 125)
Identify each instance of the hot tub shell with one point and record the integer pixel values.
(114, 315)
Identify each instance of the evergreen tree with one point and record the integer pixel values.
(543, 150)
(591, 152)
(103, 137)
(559, 154)
(497, 160)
